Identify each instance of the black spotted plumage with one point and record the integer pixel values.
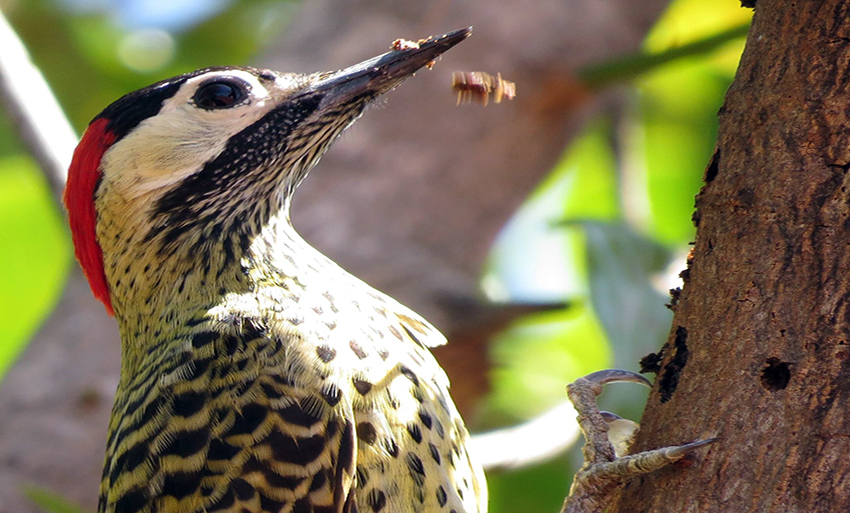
(257, 375)
(242, 431)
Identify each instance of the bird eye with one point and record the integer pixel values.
(220, 94)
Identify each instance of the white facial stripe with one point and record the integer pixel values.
(183, 96)
(170, 146)
(175, 143)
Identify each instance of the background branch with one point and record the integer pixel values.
(33, 110)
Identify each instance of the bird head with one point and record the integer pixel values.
(200, 162)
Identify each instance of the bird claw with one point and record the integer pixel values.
(607, 437)
(606, 376)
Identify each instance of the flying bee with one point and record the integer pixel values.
(477, 86)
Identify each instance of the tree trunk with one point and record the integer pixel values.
(760, 345)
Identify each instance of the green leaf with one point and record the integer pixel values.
(590, 168)
(51, 502)
(673, 133)
(532, 260)
(535, 359)
(35, 256)
(540, 488)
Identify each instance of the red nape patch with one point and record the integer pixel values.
(83, 176)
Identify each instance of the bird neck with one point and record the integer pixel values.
(159, 296)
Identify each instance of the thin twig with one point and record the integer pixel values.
(33, 110)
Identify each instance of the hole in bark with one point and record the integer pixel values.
(745, 197)
(713, 167)
(651, 363)
(670, 375)
(776, 375)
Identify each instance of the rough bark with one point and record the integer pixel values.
(758, 353)
(410, 200)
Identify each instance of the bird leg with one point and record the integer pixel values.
(604, 470)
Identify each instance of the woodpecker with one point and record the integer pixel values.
(256, 374)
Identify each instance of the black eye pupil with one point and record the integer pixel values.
(219, 95)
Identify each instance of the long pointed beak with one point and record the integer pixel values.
(384, 72)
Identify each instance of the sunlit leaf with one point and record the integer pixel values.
(689, 20)
(537, 357)
(672, 138)
(590, 168)
(51, 502)
(35, 254)
(538, 489)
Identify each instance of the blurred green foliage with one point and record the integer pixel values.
(611, 219)
(33, 236)
(51, 502)
(626, 192)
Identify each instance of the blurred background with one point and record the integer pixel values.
(541, 235)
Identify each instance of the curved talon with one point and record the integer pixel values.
(607, 439)
(607, 435)
(603, 377)
(680, 451)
